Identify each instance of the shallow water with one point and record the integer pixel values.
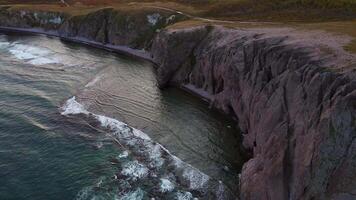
(67, 114)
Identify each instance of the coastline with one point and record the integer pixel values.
(124, 50)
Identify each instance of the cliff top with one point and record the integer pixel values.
(318, 20)
(265, 10)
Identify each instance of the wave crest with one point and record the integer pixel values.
(152, 163)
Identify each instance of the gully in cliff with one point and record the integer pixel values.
(291, 92)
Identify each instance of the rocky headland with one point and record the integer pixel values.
(293, 94)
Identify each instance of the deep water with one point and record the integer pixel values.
(82, 123)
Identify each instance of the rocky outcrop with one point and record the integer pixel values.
(130, 28)
(31, 19)
(296, 112)
(113, 27)
(297, 115)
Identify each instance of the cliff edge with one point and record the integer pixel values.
(296, 112)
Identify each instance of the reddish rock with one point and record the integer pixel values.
(298, 115)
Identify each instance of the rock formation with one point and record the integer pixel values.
(132, 28)
(297, 116)
(297, 112)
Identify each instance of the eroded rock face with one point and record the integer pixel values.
(31, 19)
(113, 27)
(297, 115)
(134, 29)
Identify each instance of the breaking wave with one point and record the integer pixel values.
(145, 168)
(39, 56)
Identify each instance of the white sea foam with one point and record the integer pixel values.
(135, 195)
(72, 107)
(154, 154)
(124, 154)
(24, 52)
(177, 162)
(34, 55)
(166, 185)
(123, 129)
(43, 61)
(119, 128)
(183, 195)
(197, 180)
(141, 145)
(134, 170)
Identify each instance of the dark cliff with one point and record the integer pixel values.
(130, 28)
(296, 112)
(297, 115)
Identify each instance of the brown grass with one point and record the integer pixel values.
(339, 27)
(336, 16)
(266, 10)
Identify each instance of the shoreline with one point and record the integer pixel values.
(124, 50)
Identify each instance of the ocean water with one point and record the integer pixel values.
(81, 123)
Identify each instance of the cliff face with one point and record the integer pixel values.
(31, 19)
(298, 117)
(297, 114)
(131, 28)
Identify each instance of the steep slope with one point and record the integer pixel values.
(297, 115)
(130, 28)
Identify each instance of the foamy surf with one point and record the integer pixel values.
(146, 168)
(34, 55)
(41, 56)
